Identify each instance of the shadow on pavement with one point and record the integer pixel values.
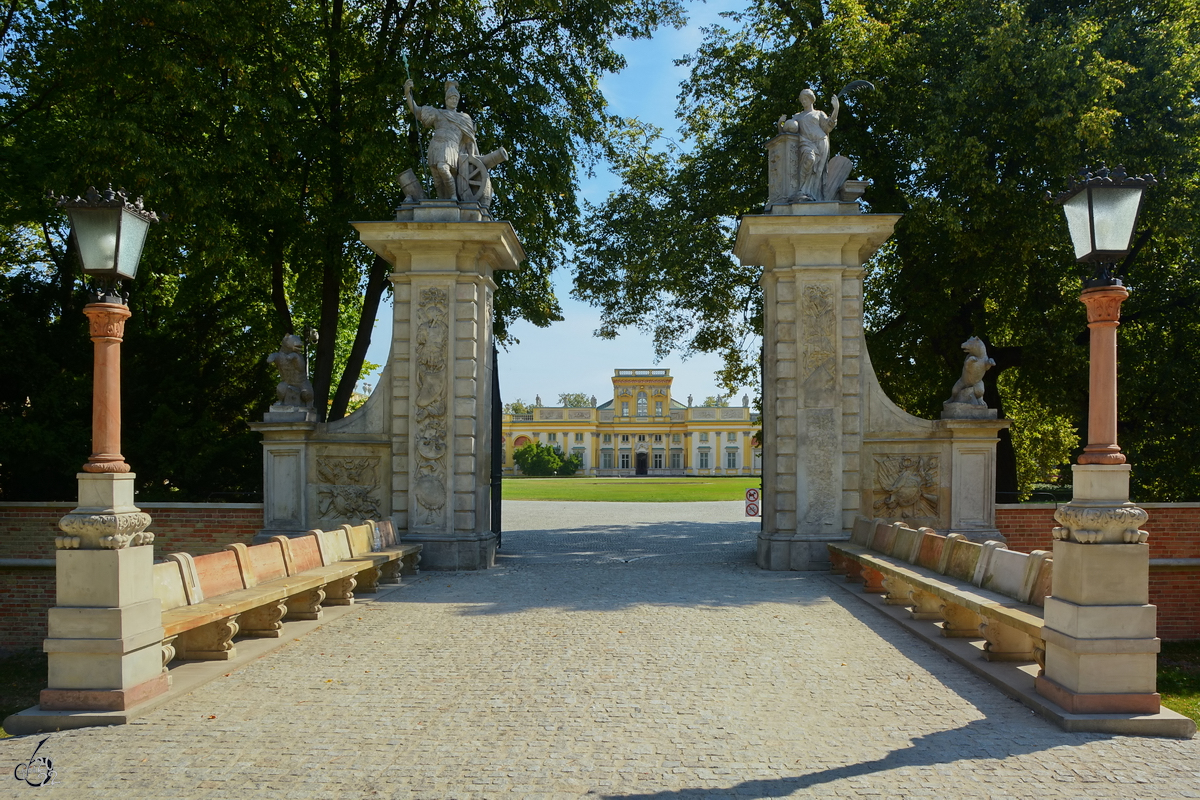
(980, 739)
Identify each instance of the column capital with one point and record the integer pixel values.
(106, 321)
(1104, 303)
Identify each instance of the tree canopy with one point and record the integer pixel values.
(575, 399)
(979, 110)
(258, 131)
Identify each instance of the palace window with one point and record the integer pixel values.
(676, 460)
(641, 437)
(608, 438)
(624, 438)
(658, 408)
(658, 438)
(658, 461)
(579, 437)
(642, 403)
(624, 460)
(704, 437)
(624, 409)
(703, 462)
(675, 438)
(732, 436)
(606, 460)
(553, 437)
(731, 459)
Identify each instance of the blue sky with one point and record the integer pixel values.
(566, 357)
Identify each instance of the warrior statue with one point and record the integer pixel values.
(294, 388)
(459, 171)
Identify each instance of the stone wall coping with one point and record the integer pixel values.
(69, 504)
(1052, 506)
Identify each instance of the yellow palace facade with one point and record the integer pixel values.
(642, 430)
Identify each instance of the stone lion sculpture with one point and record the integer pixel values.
(969, 388)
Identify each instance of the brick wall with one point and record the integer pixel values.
(25, 594)
(27, 530)
(1174, 530)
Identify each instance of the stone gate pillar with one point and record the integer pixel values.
(814, 362)
(443, 258)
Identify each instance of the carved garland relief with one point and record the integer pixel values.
(430, 407)
(347, 487)
(906, 486)
(818, 310)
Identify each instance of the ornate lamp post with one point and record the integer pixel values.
(1102, 210)
(105, 632)
(109, 232)
(1100, 635)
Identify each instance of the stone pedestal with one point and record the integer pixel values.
(440, 376)
(286, 473)
(1101, 643)
(813, 363)
(105, 630)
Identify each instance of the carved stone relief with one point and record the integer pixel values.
(579, 413)
(821, 446)
(704, 413)
(430, 407)
(346, 487)
(818, 310)
(906, 486)
(731, 413)
(548, 413)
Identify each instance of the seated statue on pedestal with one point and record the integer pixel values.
(294, 388)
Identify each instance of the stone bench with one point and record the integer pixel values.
(981, 591)
(210, 599)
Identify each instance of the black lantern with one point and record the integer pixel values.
(109, 232)
(1102, 210)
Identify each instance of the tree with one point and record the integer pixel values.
(979, 109)
(518, 406)
(575, 400)
(538, 460)
(720, 401)
(258, 130)
(570, 465)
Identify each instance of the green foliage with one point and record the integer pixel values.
(1043, 442)
(538, 460)
(979, 110)
(575, 400)
(518, 406)
(570, 465)
(257, 131)
(720, 401)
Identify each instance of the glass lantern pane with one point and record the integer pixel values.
(1116, 212)
(96, 234)
(1076, 210)
(133, 236)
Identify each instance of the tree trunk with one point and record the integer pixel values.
(377, 281)
(331, 283)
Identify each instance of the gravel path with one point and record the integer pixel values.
(618, 650)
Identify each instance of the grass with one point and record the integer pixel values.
(1179, 677)
(22, 677)
(629, 490)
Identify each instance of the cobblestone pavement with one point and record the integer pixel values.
(617, 651)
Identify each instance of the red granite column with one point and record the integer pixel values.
(1104, 314)
(107, 324)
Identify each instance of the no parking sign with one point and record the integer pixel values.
(752, 502)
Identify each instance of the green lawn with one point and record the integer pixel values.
(629, 490)
(1179, 677)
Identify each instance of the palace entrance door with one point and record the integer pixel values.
(643, 463)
